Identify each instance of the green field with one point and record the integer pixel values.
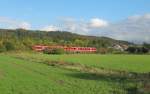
(25, 73)
(134, 63)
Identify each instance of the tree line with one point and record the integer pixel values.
(21, 39)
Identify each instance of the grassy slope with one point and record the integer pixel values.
(18, 76)
(21, 77)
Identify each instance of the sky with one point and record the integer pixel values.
(119, 19)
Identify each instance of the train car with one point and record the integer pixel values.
(39, 48)
(80, 49)
(67, 49)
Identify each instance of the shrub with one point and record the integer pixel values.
(145, 50)
(54, 51)
(103, 50)
(137, 50)
(119, 52)
(9, 46)
(2, 49)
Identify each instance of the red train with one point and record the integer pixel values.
(68, 49)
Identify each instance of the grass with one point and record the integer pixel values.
(21, 74)
(132, 63)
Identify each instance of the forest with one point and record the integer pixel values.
(21, 39)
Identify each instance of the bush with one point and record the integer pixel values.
(102, 50)
(119, 52)
(145, 50)
(137, 50)
(54, 51)
(9, 46)
(2, 49)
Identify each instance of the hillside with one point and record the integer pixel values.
(26, 38)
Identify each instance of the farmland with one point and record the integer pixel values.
(134, 63)
(27, 73)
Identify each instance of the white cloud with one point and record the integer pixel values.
(13, 24)
(97, 23)
(80, 26)
(75, 26)
(24, 25)
(50, 28)
(147, 16)
(134, 29)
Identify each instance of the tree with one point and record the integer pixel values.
(145, 50)
(2, 47)
(79, 42)
(137, 50)
(146, 45)
(9, 46)
(131, 50)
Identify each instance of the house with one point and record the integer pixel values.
(120, 47)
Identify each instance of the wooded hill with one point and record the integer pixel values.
(21, 39)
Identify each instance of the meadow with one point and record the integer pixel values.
(132, 63)
(26, 73)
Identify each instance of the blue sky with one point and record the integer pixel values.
(48, 11)
(95, 16)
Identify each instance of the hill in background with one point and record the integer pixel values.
(23, 39)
